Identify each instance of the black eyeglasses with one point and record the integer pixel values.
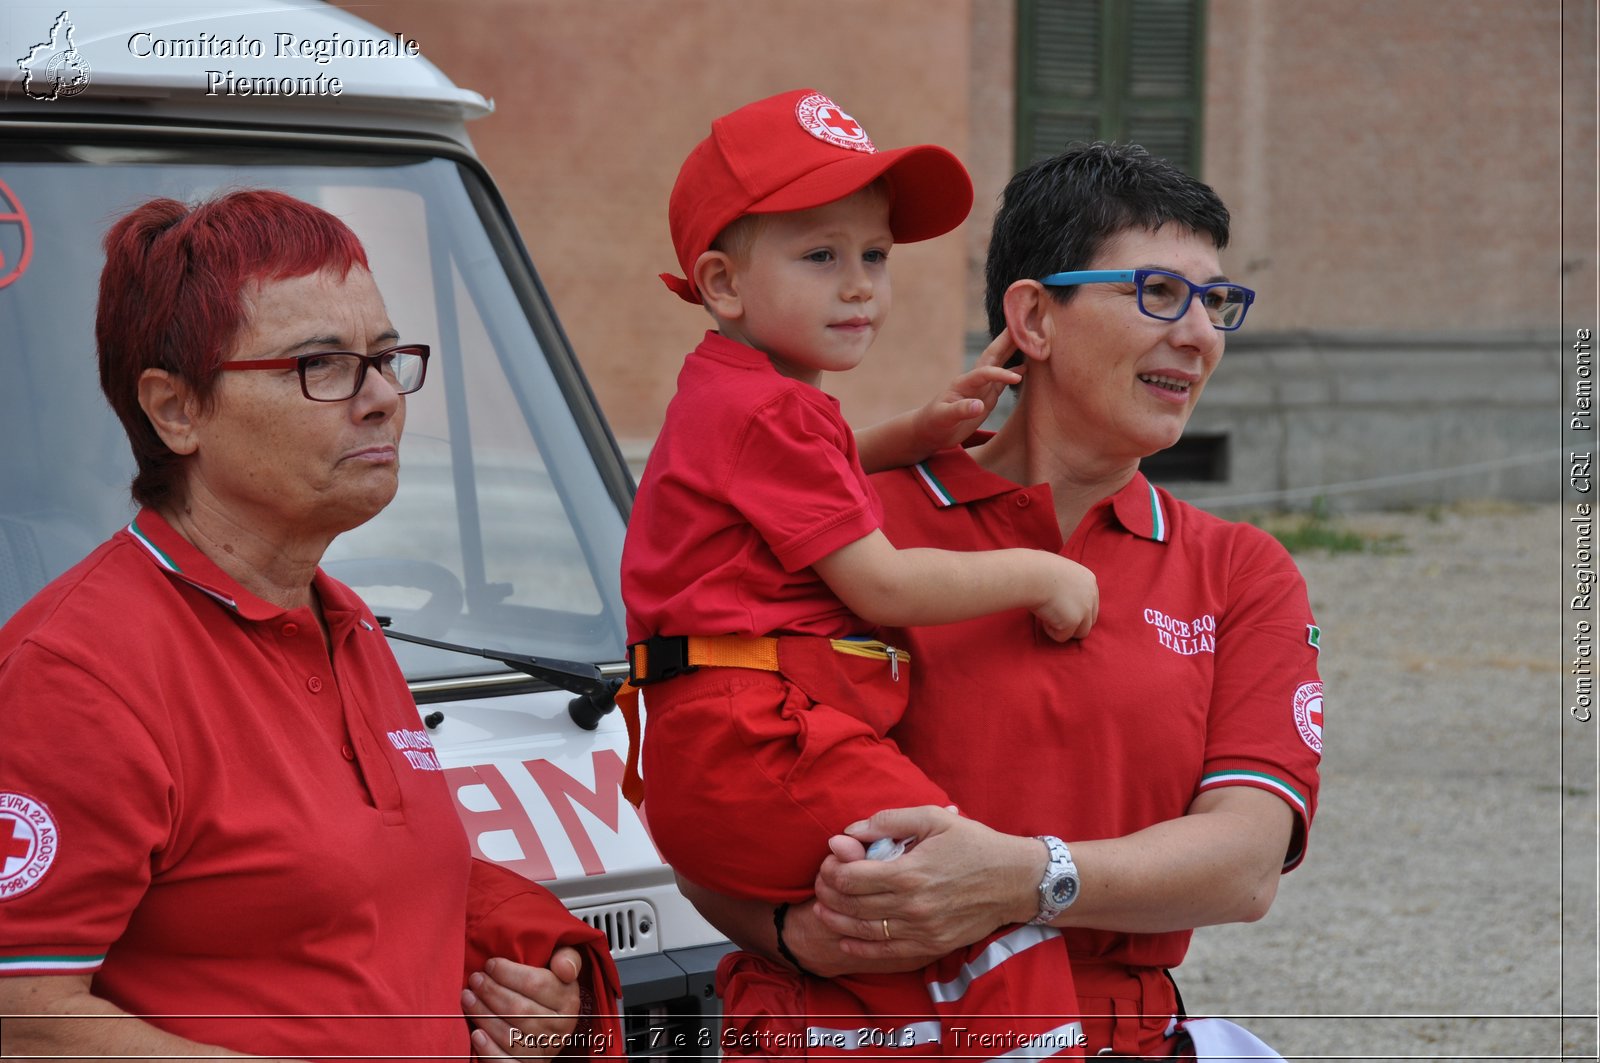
(334, 376)
(1165, 296)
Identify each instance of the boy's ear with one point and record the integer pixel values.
(1027, 305)
(166, 400)
(718, 282)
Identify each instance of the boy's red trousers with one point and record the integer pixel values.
(747, 774)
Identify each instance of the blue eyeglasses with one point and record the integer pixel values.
(1165, 296)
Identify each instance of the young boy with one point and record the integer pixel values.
(754, 570)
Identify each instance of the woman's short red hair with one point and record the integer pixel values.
(172, 298)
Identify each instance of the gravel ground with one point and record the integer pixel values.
(1427, 921)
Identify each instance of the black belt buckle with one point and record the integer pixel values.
(668, 657)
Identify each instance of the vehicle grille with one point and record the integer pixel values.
(629, 926)
(674, 1029)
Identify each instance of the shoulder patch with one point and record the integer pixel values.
(29, 841)
(1314, 637)
(1308, 715)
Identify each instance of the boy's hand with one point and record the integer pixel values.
(960, 409)
(1072, 601)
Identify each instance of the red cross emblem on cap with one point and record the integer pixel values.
(828, 122)
(839, 122)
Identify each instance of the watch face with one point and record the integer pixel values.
(1063, 890)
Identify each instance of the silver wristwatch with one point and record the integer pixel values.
(1059, 887)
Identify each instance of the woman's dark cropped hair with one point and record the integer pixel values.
(172, 297)
(1056, 214)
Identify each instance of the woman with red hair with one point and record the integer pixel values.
(205, 734)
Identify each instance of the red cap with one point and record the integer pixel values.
(796, 151)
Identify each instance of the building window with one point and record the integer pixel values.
(1199, 457)
(1125, 70)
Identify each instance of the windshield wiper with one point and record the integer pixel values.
(596, 694)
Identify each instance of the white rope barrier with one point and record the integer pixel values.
(1357, 486)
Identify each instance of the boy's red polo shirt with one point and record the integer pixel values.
(1201, 672)
(237, 826)
(753, 479)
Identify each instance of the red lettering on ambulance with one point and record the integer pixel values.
(604, 801)
(509, 815)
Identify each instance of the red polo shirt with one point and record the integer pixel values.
(753, 479)
(218, 820)
(1201, 672)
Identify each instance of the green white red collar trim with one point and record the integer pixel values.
(952, 478)
(1158, 515)
(936, 489)
(162, 558)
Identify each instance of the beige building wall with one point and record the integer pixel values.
(1394, 166)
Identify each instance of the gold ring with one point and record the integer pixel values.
(886, 935)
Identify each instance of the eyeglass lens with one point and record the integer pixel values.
(337, 376)
(1166, 296)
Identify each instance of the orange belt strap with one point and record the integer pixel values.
(721, 651)
(712, 651)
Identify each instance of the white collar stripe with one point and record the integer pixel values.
(1158, 516)
(160, 557)
(941, 494)
(154, 551)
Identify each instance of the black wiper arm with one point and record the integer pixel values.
(576, 676)
(596, 694)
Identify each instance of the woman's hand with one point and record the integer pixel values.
(522, 1012)
(828, 954)
(1218, 863)
(960, 882)
(748, 924)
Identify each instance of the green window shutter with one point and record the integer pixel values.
(1165, 93)
(1129, 70)
(1060, 69)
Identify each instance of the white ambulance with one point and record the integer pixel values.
(501, 550)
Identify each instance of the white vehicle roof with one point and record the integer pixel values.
(194, 58)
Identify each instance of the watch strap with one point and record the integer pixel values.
(1058, 870)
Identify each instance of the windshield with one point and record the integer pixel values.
(504, 535)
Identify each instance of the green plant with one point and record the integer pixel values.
(1320, 529)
